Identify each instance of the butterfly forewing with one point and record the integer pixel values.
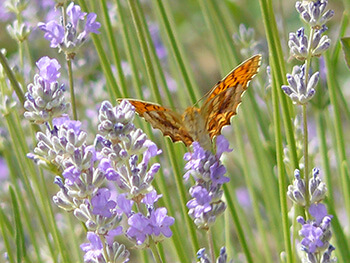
(166, 120)
(224, 98)
(202, 124)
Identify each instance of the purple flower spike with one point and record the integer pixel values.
(112, 233)
(139, 228)
(222, 145)
(125, 204)
(151, 198)
(54, 32)
(75, 14)
(201, 201)
(91, 25)
(312, 235)
(101, 203)
(161, 222)
(318, 211)
(49, 69)
(94, 249)
(71, 174)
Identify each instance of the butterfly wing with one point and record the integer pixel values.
(166, 120)
(224, 98)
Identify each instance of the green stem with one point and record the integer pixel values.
(306, 159)
(211, 244)
(71, 89)
(12, 78)
(154, 250)
(240, 233)
(280, 167)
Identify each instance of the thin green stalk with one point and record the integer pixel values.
(12, 78)
(233, 210)
(128, 49)
(106, 66)
(20, 240)
(5, 237)
(114, 47)
(306, 159)
(209, 234)
(276, 58)
(154, 57)
(280, 168)
(154, 250)
(175, 48)
(339, 135)
(71, 88)
(254, 199)
(142, 39)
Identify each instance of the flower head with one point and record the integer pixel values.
(94, 249)
(45, 99)
(297, 90)
(72, 35)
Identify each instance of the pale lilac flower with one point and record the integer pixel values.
(316, 234)
(125, 204)
(312, 235)
(151, 198)
(91, 25)
(54, 32)
(94, 249)
(102, 205)
(113, 233)
(75, 14)
(71, 174)
(121, 146)
(45, 97)
(161, 223)
(71, 36)
(201, 201)
(139, 228)
(297, 89)
(314, 12)
(48, 69)
(209, 174)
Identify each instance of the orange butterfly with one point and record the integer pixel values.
(202, 124)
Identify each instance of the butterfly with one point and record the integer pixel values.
(204, 123)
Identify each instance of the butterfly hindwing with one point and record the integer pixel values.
(204, 123)
(166, 120)
(224, 99)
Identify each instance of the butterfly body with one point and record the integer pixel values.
(204, 123)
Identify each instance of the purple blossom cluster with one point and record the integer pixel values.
(205, 258)
(316, 235)
(45, 99)
(301, 86)
(69, 35)
(209, 174)
(120, 154)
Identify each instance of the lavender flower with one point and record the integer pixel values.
(155, 224)
(19, 31)
(314, 12)
(125, 150)
(45, 98)
(70, 37)
(48, 69)
(297, 90)
(299, 44)
(94, 249)
(208, 173)
(317, 189)
(204, 258)
(316, 235)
